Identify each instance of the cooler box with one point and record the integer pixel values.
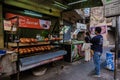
(110, 60)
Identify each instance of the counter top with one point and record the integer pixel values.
(77, 42)
(73, 42)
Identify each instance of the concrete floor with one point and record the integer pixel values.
(74, 71)
(78, 70)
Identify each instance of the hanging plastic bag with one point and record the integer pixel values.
(83, 47)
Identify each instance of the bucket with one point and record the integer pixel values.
(110, 60)
(2, 52)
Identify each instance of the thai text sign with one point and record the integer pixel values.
(29, 22)
(111, 7)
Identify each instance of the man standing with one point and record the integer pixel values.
(97, 47)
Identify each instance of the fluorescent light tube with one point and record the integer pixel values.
(32, 13)
(76, 2)
(59, 6)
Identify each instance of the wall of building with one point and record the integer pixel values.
(111, 37)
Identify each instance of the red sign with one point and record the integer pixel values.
(29, 22)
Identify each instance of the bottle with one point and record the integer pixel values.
(38, 37)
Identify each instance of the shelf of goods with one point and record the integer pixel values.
(37, 53)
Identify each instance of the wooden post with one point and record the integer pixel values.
(116, 47)
(1, 29)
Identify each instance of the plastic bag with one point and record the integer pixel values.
(85, 46)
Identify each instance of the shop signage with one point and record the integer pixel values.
(111, 7)
(87, 12)
(81, 26)
(76, 52)
(7, 25)
(76, 31)
(109, 1)
(104, 29)
(29, 22)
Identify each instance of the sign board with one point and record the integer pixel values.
(29, 22)
(81, 26)
(76, 31)
(86, 12)
(109, 1)
(7, 25)
(11, 25)
(111, 7)
(103, 29)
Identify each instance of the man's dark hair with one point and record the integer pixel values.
(87, 33)
(98, 29)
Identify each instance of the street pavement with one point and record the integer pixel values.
(78, 70)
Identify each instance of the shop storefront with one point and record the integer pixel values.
(26, 40)
(33, 38)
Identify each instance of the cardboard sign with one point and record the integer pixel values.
(7, 25)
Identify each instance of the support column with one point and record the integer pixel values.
(1, 28)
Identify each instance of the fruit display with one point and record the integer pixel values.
(28, 40)
(34, 49)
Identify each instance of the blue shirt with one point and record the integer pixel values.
(97, 43)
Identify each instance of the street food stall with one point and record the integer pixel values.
(27, 44)
(73, 40)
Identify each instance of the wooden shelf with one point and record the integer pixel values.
(48, 40)
(27, 44)
(42, 42)
(38, 53)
